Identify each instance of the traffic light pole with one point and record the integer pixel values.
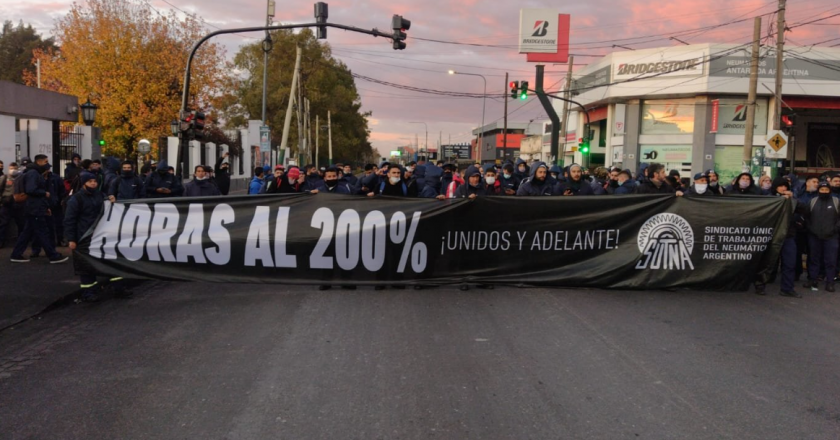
(549, 110)
(185, 93)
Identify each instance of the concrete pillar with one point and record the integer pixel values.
(633, 124)
(245, 156)
(194, 155)
(210, 154)
(7, 140)
(40, 133)
(171, 151)
(703, 143)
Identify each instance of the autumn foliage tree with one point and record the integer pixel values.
(129, 59)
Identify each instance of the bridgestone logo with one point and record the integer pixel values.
(661, 67)
(538, 41)
(666, 242)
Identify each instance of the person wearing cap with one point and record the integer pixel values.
(700, 188)
(574, 185)
(508, 182)
(781, 188)
(822, 237)
(714, 182)
(274, 186)
(537, 184)
(201, 186)
(656, 183)
(293, 182)
(222, 177)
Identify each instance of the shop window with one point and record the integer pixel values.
(673, 116)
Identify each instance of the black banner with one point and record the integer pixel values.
(628, 242)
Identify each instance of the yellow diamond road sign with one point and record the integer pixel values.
(777, 142)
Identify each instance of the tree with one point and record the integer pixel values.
(129, 59)
(325, 81)
(16, 47)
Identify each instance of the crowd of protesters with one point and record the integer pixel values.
(50, 211)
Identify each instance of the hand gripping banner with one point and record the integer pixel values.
(628, 242)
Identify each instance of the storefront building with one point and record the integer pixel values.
(686, 107)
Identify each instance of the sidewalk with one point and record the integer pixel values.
(29, 288)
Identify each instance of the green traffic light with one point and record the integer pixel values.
(523, 96)
(101, 143)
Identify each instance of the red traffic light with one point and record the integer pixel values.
(513, 84)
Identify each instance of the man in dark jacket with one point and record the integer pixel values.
(508, 181)
(575, 185)
(201, 185)
(537, 184)
(351, 180)
(626, 184)
(431, 187)
(8, 213)
(331, 184)
(394, 185)
(222, 170)
(744, 185)
(112, 172)
(273, 186)
(522, 171)
(656, 182)
(781, 188)
(473, 187)
(160, 184)
(37, 208)
(714, 183)
(72, 169)
(700, 188)
(822, 237)
(128, 186)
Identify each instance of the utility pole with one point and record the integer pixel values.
(565, 122)
(751, 98)
(317, 135)
(306, 130)
(780, 64)
(504, 133)
(329, 135)
(288, 122)
(266, 48)
(300, 113)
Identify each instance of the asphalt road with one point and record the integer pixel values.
(200, 361)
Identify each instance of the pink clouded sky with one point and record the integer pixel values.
(596, 25)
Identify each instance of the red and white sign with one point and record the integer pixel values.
(715, 115)
(544, 35)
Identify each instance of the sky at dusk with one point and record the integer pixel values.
(596, 26)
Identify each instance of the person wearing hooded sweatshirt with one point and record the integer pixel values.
(555, 172)
(521, 170)
(744, 185)
(112, 172)
(431, 187)
(222, 169)
(781, 188)
(160, 184)
(823, 224)
(626, 184)
(351, 180)
(575, 185)
(416, 180)
(537, 184)
(644, 172)
(37, 208)
(491, 182)
(72, 170)
(700, 188)
(201, 186)
(473, 186)
(447, 177)
(127, 186)
(656, 183)
(257, 185)
(714, 185)
(508, 181)
(83, 208)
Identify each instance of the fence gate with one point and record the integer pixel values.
(70, 139)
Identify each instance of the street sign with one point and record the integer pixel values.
(777, 143)
(265, 138)
(457, 151)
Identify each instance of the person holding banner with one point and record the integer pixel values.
(700, 188)
(508, 181)
(780, 187)
(574, 185)
(538, 184)
(161, 184)
(744, 185)
(201, 185)
(714, 182)
(472, 188)
(394, 185)
(626, 184)
(331, 185)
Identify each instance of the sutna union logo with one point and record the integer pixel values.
(666, 242)
(540, 29)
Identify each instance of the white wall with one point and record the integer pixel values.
(171, 151)
(7, 140)
(40, 137)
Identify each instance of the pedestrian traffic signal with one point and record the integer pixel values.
(399, 25)
(523, 90)
(514, 89)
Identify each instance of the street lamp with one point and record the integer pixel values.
(175, 126)
(483, 106)
(89, 112)
(426, 146)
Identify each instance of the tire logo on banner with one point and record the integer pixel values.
(666, 242)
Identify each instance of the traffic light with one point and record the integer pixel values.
(514, 89)
(102, 142)
(523, 90)
(399, 25)
(198, 124)
(583, 145)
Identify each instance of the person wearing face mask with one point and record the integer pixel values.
(823, 224)
(508, 182)
(160, 184)
(351, 180)
(222, 169)
(521, 170)
(537, 184)
(625, 182)
(744, 185)
(331, 183)
(37, 208)
(492, 186)
(700, 188)
(555, 174)
(201, 185)
(127, 186)
(575, 185)
(394, 185)
(765, 186)
(714, 183)
(447, 178)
